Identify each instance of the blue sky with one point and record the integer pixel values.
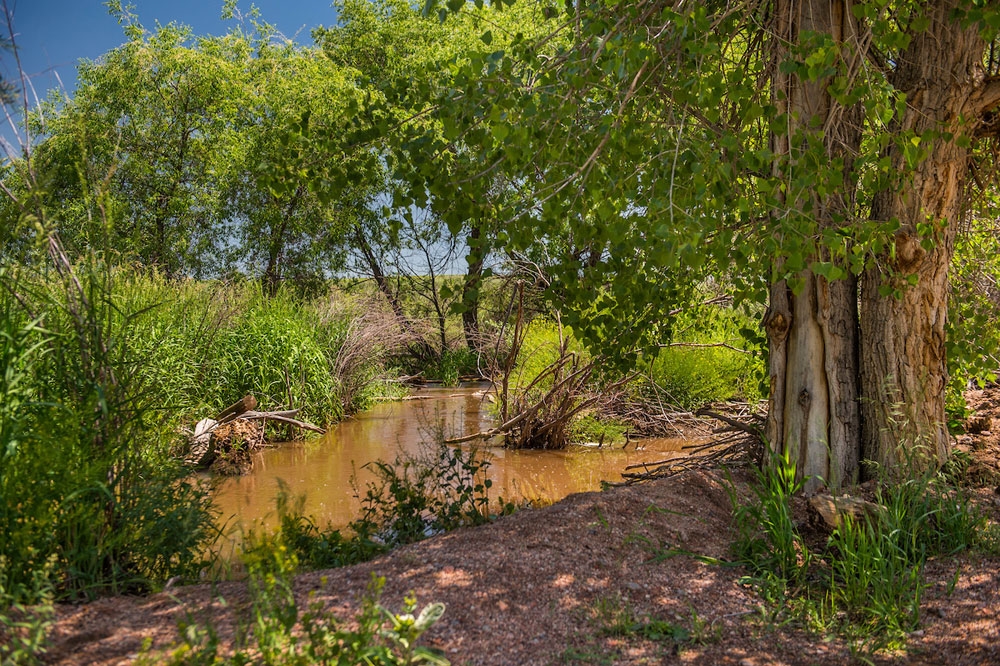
(53, 35)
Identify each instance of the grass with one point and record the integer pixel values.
(88, 492)
(613, 620)
(866, 583)
(704, 363)
(100, 366)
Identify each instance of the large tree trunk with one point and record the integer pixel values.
(813, 415)
(905, 294)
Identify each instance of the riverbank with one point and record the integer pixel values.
(560, 584)
(542, 586)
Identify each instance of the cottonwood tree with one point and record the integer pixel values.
(819, 153)
(404, 61)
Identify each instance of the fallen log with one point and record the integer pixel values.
(244, 404)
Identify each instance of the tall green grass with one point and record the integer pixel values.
(100, 367)
(87, 490)
(712, 358)
(205, 345)
(867, 582)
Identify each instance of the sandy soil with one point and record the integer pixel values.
(531, 587)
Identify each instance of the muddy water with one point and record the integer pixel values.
(327, 470)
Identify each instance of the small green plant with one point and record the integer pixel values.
(299, 536)
(590, 428)
(25, 617)
(272, 635)
(615, 617)
(866, 584)
(453, 364)
(416, 497)
(768, 541)
(578, 655)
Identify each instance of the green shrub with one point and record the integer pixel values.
(705, 365)
(275, 351)
(26, 614)
(692, 377)
(416, 497)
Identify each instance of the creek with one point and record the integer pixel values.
(327, 470)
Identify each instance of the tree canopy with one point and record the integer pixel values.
(820, 155)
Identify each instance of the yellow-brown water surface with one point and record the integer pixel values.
(329, 469)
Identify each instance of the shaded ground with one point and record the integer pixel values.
(544, 586)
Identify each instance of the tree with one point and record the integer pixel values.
(152, 120)
(286, 225)
(201, 146)
(404, 61)
(815, 152)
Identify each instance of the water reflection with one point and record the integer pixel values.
(328, 470)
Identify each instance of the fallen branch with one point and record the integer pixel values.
(741, 448)
(282, 417)
(748, 428)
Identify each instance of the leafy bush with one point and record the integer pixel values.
(276, 350)
(25, 617)
(692, 377)
(416, 497)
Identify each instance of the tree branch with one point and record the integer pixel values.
(986, 98)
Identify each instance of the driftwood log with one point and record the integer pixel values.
(218, 436)
(828, 511)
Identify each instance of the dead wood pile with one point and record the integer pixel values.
(226, 443)
(738, 442)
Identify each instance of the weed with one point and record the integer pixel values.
(25, 617)
(615, 617)
(703, 631)
(768, 540)
(453, 364)
(590, 428)
(298, 536)
(577, 655)
(382, 637)
(866, 585)
(414, 498)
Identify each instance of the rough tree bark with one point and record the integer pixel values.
(813, 414)
(905, 295)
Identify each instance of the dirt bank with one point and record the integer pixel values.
(532, 588)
